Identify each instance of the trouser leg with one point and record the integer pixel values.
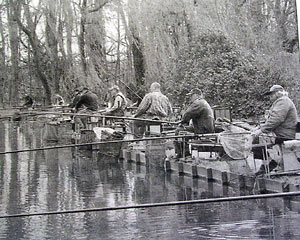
(181, 146)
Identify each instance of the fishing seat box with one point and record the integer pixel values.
(290, 151)
(153, 129)
(221, 112)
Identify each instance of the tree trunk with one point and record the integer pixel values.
(69, 29)
(3, 68)
(52, 43)
(138, 60)
(81, 37)
(14, 11)
(37, 51)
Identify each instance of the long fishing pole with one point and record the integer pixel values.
(162, 204)
(104, 116)
(109, 142)
(134, 92)
(25, 112)
(120, 141)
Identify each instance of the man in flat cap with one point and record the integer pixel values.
(201, 114)
(282, 119)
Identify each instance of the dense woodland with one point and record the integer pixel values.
(232, 49)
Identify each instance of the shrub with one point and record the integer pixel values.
(227, 76)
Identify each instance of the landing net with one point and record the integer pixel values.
(237, 145)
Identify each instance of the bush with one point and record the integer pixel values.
(227, 76)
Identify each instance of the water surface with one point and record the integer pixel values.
(64, 179)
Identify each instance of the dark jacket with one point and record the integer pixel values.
(201, 114)
(86, 99)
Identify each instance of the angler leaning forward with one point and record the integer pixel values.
(85, 101)
(201, 114)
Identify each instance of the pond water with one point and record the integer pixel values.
(67, 179)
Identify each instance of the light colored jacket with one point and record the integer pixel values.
(282, 119)
(155, 104)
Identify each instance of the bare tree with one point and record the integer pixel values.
(52, 43)
(36, 46)
(13, 12)
(3, 68)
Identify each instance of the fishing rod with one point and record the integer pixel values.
(110, 142)
(226, 120)
(191, 135)
(162, 204)
(248, 129)
(104, 116)
(25, 112)
(134, 92)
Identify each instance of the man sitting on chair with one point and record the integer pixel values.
(154, 105)
(201, 114)
(282, 120)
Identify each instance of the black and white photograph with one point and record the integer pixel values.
(149, 119)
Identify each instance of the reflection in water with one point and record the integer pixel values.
(62, 179)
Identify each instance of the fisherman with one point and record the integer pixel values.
(119, 102)
(199, 111)
(28, 101)
(84, 98)
(281, 121)
(58, 100)
(85, 101)
(154, 105)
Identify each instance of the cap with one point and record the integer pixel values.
(195, 91)
(115, 87)
(274, 88)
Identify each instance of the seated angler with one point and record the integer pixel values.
(85, 101)
(28, 101)
(119, 102)
(154, 105)
(281, 121)
(199, 111)
(58, 100)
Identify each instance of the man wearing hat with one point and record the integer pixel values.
(84, 101)
(201, 114)
(119, 102)
(282, 119)
(84, 98)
